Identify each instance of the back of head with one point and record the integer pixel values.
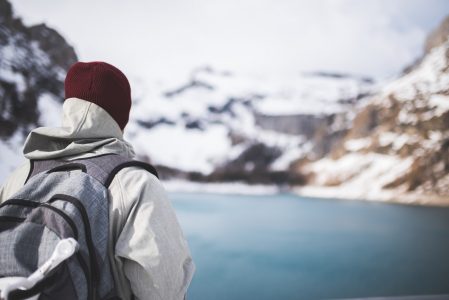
(102, 84)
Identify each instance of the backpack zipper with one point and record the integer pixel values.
(20, 202)
(11, 219)
(88, 233)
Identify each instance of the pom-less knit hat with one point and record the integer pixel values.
(102, 84)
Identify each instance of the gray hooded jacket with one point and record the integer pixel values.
(149, 255)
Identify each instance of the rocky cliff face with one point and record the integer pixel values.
(398, 143)
(33, 63)
(437, 37)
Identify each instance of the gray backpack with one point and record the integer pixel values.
(61, 202)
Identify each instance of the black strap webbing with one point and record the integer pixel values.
(133, 163)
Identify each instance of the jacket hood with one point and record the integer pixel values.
(87, 130)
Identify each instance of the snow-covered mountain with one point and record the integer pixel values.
(331, 134)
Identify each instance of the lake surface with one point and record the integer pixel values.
(290, 247)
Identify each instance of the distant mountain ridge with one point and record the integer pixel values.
(246, 128)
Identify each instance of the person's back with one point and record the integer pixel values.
(149, 256)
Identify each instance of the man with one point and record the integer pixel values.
(149, 256)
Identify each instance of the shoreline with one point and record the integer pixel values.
(340, 193)
(380, 196)
(236, 188)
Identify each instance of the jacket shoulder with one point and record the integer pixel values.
(134, 177)
(132, 185)
(121, 164)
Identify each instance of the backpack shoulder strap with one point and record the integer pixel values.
(130, 163)
(102, 167)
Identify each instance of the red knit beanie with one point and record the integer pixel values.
(102, 84)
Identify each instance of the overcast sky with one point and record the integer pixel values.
(163, 39)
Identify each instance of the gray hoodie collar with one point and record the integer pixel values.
(87, 130)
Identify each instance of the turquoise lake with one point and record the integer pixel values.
(290, 247)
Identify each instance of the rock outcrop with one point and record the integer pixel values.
(33, 63)
(397, 145)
